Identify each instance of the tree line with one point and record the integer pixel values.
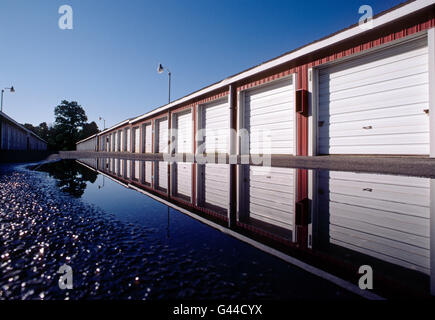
(70, 126)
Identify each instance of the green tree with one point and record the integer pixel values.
(69, 118)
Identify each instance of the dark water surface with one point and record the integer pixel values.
(123, 244)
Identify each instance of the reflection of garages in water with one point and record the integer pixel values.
(213, 187)
(383, 216)
(267, 196)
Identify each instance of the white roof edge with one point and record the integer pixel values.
(21, 126)
(88, 138)
(114, 127)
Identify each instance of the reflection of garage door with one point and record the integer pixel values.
(183, 123)
(383, 216)
(213, 186)
(162, 139)
(271, 195)
(147, 172)
(183, 174)
(375, 104)
(215, 117)
(269, 118)
(162, 175)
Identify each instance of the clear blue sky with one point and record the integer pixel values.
(108, 61)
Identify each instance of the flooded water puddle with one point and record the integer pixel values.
(155, 230)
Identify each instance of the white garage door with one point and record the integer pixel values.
(271, 195)
(184, 179)
(148, 138)
(270, 118)
(128, 142)
(215, 120)
(162, 129)
(184, 132)
(376, 104)
(137, 140)
(116, 141)
(387, 217)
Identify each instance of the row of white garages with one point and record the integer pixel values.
(371, 103)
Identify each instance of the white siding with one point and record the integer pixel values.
(270, 118)
(375, 104)
(215, 122)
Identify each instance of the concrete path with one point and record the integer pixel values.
(406, 165)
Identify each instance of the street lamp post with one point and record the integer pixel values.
(160, 69)
(104, 123)
(11, 89)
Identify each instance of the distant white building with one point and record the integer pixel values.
(14, 136)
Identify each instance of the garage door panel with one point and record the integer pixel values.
(269, 117)
(376, 103)
(270, 90)
(390, 71)
(184, 132)
(395, 85)
(148, 138)
(275, 102)
(412, 50)
(163, 136)
(343, 133)
(215, 126)
(272, 117)
(412, 95)
(402, 139)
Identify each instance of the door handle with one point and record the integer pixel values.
(367, 127)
